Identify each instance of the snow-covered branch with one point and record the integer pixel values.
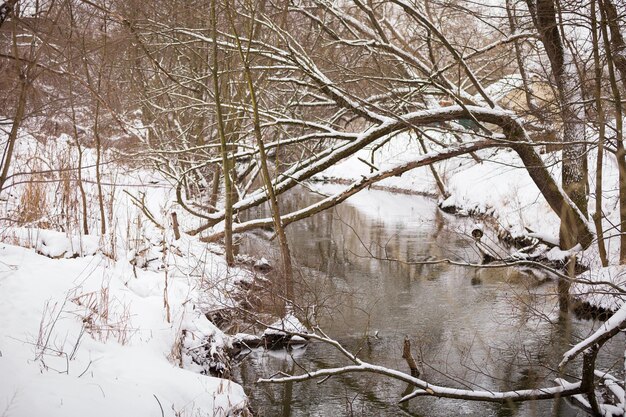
(357, 186)
(608, 329)
(424, 388)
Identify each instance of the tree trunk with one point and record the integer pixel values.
(440, 185)
(17, 121)
(574, 164)
(228, 205)
(96, 127)
(6, 8)
(618, 45)
(79, 171)
(574, 154)
(23, 75)
(620, 153)
(215, 189)
(601, 120)
(267, 180)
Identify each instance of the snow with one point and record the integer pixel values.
(504, 86)
(401, 149)
(615, 322)
(556, 254)
(102, 325)
(551, 239)
(262, 263)
(595, 291)
(286, 325)
(245, 338)
(612, 384)
(69, 355)
(51, 243)
(499, 186)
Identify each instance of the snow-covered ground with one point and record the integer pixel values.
(85, 336)
(105, 325)
(599, 291)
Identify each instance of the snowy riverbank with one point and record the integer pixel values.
(111, 324)
(105, 325)
(91, 336)
(495, 186)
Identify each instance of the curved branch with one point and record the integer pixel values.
(357, 186)
(424, 388)
(519, 141)
(607, 330)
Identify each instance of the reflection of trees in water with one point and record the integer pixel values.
(480, 328)
(358, 395)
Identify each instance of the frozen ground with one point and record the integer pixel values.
(88, 336)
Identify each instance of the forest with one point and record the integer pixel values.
(312, 207)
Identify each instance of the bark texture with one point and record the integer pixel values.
(574, 165)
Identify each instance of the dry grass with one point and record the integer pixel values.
(105, 318)
(33, 206)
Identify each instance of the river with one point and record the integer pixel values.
(495, 329)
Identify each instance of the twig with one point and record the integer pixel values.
(87, 368)
(142, 206)
(160, 406)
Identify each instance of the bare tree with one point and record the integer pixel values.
(297, 87)
(615, 44)
(267, 180)
(601, 135)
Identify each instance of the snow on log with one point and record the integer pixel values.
(607, 330)
(284, 333)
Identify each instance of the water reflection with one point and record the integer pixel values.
(483, 329)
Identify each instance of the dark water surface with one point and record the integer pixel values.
(482, 329)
